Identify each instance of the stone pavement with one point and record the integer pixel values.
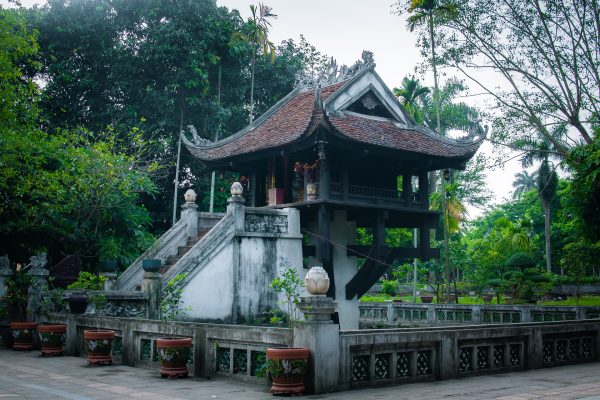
(27, 375)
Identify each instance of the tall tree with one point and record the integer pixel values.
(257, 35)
(546, 55)
(524, 182)
(411, 95)
(429, 13)
(547, 183)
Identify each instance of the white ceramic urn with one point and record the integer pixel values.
(316, 281)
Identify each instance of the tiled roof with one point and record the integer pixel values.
(289, 120)
(285, 125)
(386, 133)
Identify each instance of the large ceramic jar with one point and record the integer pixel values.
(98, 345)
(23, 333)
(287, 368)
(174, 354)
(52, 339)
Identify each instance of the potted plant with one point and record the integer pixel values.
(151, 265)
(311, 172)
(108, 252)
(52, 336)
(78, 299)
(97, 342)
(16, 299)
(173, 352)
(287, 366)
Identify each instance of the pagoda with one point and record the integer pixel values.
(342, 150)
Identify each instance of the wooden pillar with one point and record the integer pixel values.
(324, 179)
(407, 188)
(424, 190)
(253, 191)
(345, 181)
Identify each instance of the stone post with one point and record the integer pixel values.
(322, 337)
(189, 213)
(40, 279)
(151, 286)
(5, 274)
(236, 207)
(319, 334)
(111, 280)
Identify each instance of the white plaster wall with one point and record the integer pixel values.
(344, 269)
(210, 292)
(261, 260)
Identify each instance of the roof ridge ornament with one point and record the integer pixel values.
(334, 74)
(196, 139)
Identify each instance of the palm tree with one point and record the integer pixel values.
(430, 12)
(547, 183)
(411, 95)
(524, 183)
(257, 36)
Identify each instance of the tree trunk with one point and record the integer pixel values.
(252, 86)
(436, 100)
(546, 205)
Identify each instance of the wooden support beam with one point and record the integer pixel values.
(309, 250)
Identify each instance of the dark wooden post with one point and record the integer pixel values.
(407, 188)
(424, 190)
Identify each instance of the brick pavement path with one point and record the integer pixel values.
(26, 375)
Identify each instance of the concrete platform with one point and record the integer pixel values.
(27, 375)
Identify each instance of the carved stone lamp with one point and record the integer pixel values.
(317, 281)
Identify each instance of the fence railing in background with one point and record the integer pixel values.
(390, 314)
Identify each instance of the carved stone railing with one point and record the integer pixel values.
(201, 253)
(390, 314)
(123, 304)
(164, 247)
(393, 356)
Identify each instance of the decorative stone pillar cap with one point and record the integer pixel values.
(236, 189)
(316, 281)
(190, 196)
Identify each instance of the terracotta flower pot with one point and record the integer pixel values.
(52, 338)
(98, 345)
(173, 354)
(287, 368)
(486, 297)
(23, 333)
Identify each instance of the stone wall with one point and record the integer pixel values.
(228, 273)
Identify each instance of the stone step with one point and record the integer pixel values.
(182, 250)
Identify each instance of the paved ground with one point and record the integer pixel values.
(26, 375)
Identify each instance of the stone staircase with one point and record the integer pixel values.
(182, 250)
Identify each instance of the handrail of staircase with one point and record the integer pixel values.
(167, 244)
(206, 246)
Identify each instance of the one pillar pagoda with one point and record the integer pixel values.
(343, 151)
